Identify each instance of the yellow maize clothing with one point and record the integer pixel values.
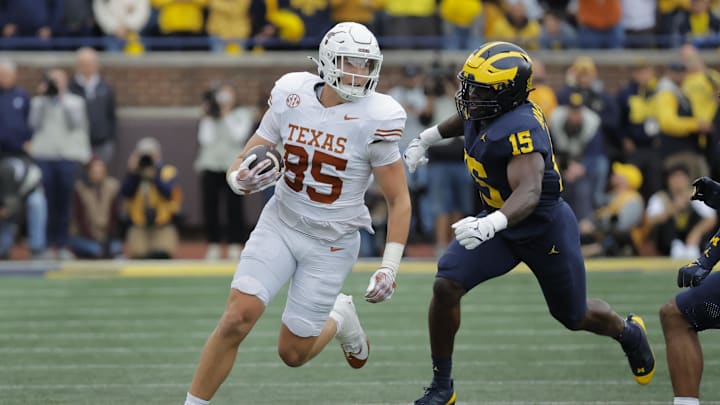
(701, 88)
(360, 11)
(180, 16)
(460, 12)
(544, 96)
(414, 8)
(229, 19)
(148, 197)
(668, 6)
(673, 120)
(527, 36)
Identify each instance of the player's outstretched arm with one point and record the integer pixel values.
(393, 184)
(243, 180)
(707, 190)
(414, 154)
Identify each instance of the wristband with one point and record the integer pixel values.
(498, 220)
(392, 256)
(430, 136)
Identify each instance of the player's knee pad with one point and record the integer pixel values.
(302, 327)
(251, 286)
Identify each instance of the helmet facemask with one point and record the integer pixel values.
(482, 101)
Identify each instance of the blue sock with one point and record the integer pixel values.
(711, 254)
(442, 369)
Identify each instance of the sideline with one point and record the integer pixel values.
(201, 268)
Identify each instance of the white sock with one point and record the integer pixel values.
(193, 400)
(338, 321)
(686, 401)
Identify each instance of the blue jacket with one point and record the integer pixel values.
(14, 128)
(31, 15)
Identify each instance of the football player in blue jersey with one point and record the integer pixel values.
(509, 155)
(693, 310)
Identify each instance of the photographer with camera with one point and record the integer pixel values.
(153, 200)
(60, 144)
(224, 129)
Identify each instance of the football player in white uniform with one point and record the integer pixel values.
(337, 132)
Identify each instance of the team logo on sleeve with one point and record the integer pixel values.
(293, 100)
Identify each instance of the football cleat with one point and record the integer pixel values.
(353, 340)
(639, 353)
(435, 395)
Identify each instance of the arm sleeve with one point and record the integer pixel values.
(383, 153)
(206, 134)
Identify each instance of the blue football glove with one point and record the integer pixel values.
(708, 191)
(691, 275)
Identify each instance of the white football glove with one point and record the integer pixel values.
(382, 286)
(471, 232)
(414, 154)
(247, 181)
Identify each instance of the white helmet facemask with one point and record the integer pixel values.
(350, 45)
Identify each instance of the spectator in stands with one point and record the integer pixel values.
(121, 21)
(223, 132)
(229, 25)
(515, 26)
(15, 134)
(78, 18)
(670, 12)
(599, 24)
(95, 214)
(699, 25)
(20, 181)
(583, 78)
(30, 18)
(543, 95)
(180, 18)
(701, 84)
(556, 32)
(609, 230)
(450, 189)
(153, 200)
(291, 17)
(639, 126)
(638, 22)
(99, 97)
(407, 22)
(575, 134)
(359, 11)
(461, 19)
(683, 136)
(410, 93)
(60, 144)
(678, 226)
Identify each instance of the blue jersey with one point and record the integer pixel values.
(488, 150)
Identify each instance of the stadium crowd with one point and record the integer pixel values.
(235, 25)
(627, 158)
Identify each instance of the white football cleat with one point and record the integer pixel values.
(353, 340)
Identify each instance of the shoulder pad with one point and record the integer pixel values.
(297, 84)
(388, 117)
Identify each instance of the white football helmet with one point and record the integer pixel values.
(349, 43)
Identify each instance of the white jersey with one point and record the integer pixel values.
(328, 157)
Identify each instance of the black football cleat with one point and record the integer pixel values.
(639, 353)
(438, 396)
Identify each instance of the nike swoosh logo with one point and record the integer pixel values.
(348, 118)
(336, 249)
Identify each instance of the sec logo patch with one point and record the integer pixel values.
(292, 100)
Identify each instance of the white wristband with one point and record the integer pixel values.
(499, 220)
(232, 181)
(392, 256)
(430, 136)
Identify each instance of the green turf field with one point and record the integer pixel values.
(136, 341)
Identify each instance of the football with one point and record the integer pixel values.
(263, 153)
